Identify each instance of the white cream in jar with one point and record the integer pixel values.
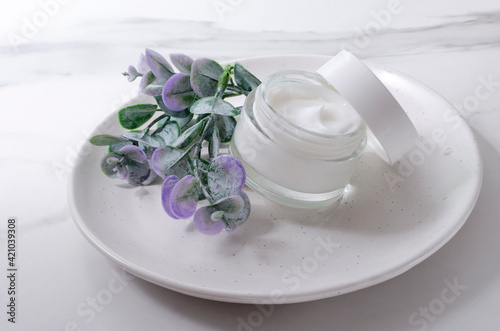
(298, 139)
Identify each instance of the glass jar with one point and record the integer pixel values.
(298, 139)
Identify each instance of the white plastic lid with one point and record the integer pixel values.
(392, 131)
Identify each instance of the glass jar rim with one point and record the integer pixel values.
(298, 76)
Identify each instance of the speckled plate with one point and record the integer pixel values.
(390, 219)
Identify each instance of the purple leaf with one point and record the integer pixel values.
(212, 219)
(155, 88)
(230, 205)
(142, 65)
(217, 216)
(168, 161)
(122, 172)
(184, 197)
(182, 62)
(109, 164)
(158, 65)
(131, 73)
(226, 172)
(152, 176)
(146, 80)
(205, 76)
(135, 153)
(203, 221)
(166, 190)
(112, 160)
(240, 217)
(138, 173)
(177, 93)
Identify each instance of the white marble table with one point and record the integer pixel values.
(60, 77)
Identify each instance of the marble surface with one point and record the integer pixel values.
(60, 78)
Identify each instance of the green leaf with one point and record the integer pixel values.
(161, 123)
(189, 135)
(146, 139)
(168, 160)
(203, 167)
(225, 127)
(182, 62)
(244, 78)
(226, 171)
(108, 168)
(170, 132)
(205, 77)
(134, 116)
(213, 105)
(240, 217)
(183, 121)
(231, 205)
(116, 147)
(106, 140)
(177, 114)
(146, 80)
(214, 142)
(178, 94)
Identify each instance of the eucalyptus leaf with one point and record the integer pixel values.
(214, 142)
(177, 93)
(106, 140)
(230, 205)
(222, 193)
(138, 172)
(166, 189)
(183, 121)
(182, 62)
(218, 216)
(169, 133)
(213, 105)
(131, 73)
(226, 171)
(151, 178)
(158, 65)
(155, 88)
(134, 116)
(161, 123)
(116, 147)
(134, 153)
(108, 168)
(205, 76)
(203, 174)
(188, 136)
(168, 161)
(147, 79)
(177, 114)
(225, 127)
(121, 171)
(184, 197)
(146, 139)
(203, 222)
(233, 220)
(244, 78)
(142, 64)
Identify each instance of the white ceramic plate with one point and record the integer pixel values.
(285, 255)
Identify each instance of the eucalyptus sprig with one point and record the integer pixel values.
(189, 109)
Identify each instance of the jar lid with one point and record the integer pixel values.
(391, 131)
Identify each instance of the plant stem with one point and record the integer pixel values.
(156, 120)
(237, 89)
(196, 160)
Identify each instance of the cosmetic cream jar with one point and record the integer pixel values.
(300, 135)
